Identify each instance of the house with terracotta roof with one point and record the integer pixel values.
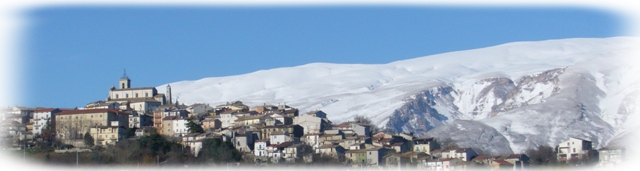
(502, 164)
(174, 126)
(483, 160)
(519, 160)
(211, 123)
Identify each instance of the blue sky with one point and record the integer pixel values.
(74, 54)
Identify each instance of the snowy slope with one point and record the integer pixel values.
(514, 88)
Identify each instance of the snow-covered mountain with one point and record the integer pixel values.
(516, 95)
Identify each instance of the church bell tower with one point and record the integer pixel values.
(168, 94)
(125, 82)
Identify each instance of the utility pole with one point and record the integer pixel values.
(77, 159)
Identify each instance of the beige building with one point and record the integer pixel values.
(143, 99)
(167, 126)
(210, 122)
(250, 120)
(73, 124)
(107, 135)
(425, 145)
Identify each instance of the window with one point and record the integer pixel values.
(117, 96)
(126, 95)
(136, 94)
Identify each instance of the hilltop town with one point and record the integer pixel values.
(142, 126)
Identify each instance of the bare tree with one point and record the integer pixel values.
(542, 156)
(73, 129)
(448, 143)
(365, 120)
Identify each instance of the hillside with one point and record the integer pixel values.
(519, 95)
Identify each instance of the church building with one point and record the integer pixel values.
(142, 99)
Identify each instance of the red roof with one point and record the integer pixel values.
(45, 109)
(514, 156)
(344, 124)
(87, 111)
(169, 118)
(481, 157)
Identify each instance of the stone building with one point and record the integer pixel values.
(73, 124)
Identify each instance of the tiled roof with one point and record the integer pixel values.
(169, 118)
(45, 109)
(70, 112)
(514, 156)
(481, 158)
(140, 88)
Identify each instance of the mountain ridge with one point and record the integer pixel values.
(486, 87)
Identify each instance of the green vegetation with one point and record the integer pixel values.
(193, 127)
(88, 139)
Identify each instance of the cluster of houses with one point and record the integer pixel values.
(580, 150)
(267, 133)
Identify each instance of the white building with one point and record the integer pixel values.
(228, 118)
(194, 142)
(180, 127)
(574, 149)
(611, 156)
(278, 137)
(464, 154)
(41, 117)
(260, 148)
(442, 164)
